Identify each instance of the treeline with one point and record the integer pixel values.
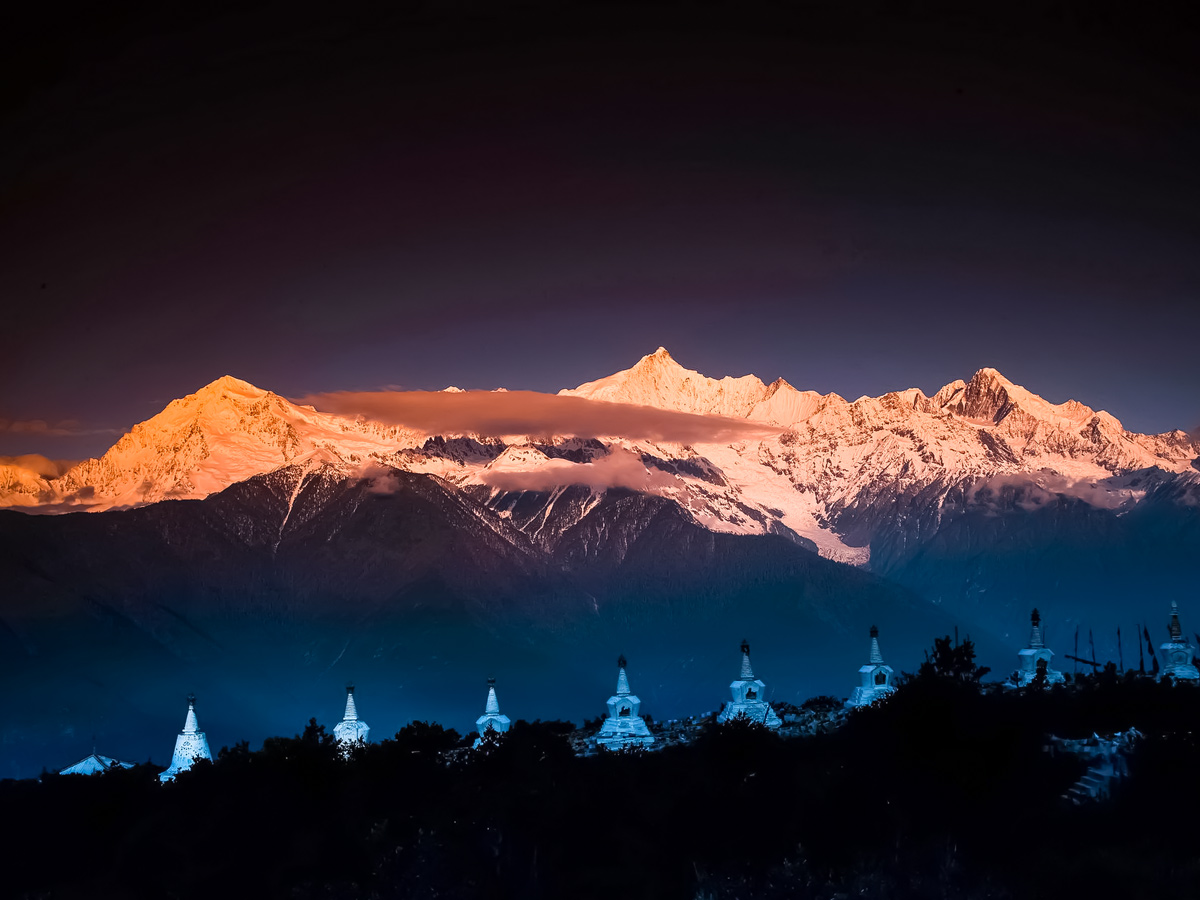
(945, 790)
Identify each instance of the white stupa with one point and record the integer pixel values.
(623, 727)
(94, 765)
(1036, 657)
(352, 730)
(1178, 655)
(492, 717)
(190, 745)
(748, 697)
(876, 676)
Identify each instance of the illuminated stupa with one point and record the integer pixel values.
(351, 730)
(190, 745)
(876, 676)
(748, 699)
(1036, 657)
(623, 727)
(492, 718)
(1178, 654)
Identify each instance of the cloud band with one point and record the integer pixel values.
(530, 413)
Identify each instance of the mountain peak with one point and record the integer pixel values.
(990, 398)
(988, 374)
(658, 380)
(227, 384)
(660, 357)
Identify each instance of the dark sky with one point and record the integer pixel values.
(496, 195)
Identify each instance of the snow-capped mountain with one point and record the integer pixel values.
(835, 469)
(224, 433)
(657, 380)
(832, 474)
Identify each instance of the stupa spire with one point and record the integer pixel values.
(622, 678)
(493, 705)
(1173, 625)
(747, 673)
(351, 710)
(876, 658)
(1036, 641)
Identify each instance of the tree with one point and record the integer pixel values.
(315, 735)
(489, 741)
(819, 704)
(426, 738)
(954, 660)
(1039, 678)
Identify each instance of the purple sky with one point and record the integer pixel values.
(857, 205)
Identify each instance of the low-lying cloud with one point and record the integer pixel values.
(1029, 492)
(42, 428)
(380, 479)
(37, 464)
(528, 413)
(620, 468)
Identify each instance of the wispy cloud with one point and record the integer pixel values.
(533, 414)
(42, 428)
(1031, 491)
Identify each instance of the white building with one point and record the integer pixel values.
(190, 745)
(623, 727)
(492, 717)
(1177, 653)
(748, 698)
(1036, 657)
(876, 676)
(95, 764)
(351, 730)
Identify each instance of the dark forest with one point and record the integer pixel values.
(948, 789)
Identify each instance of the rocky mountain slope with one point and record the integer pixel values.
(877, 481)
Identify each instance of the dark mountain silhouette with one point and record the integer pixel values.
(266, 597)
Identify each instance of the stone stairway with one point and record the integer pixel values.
(1094, 785)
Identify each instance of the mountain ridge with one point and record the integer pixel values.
(824, 471)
